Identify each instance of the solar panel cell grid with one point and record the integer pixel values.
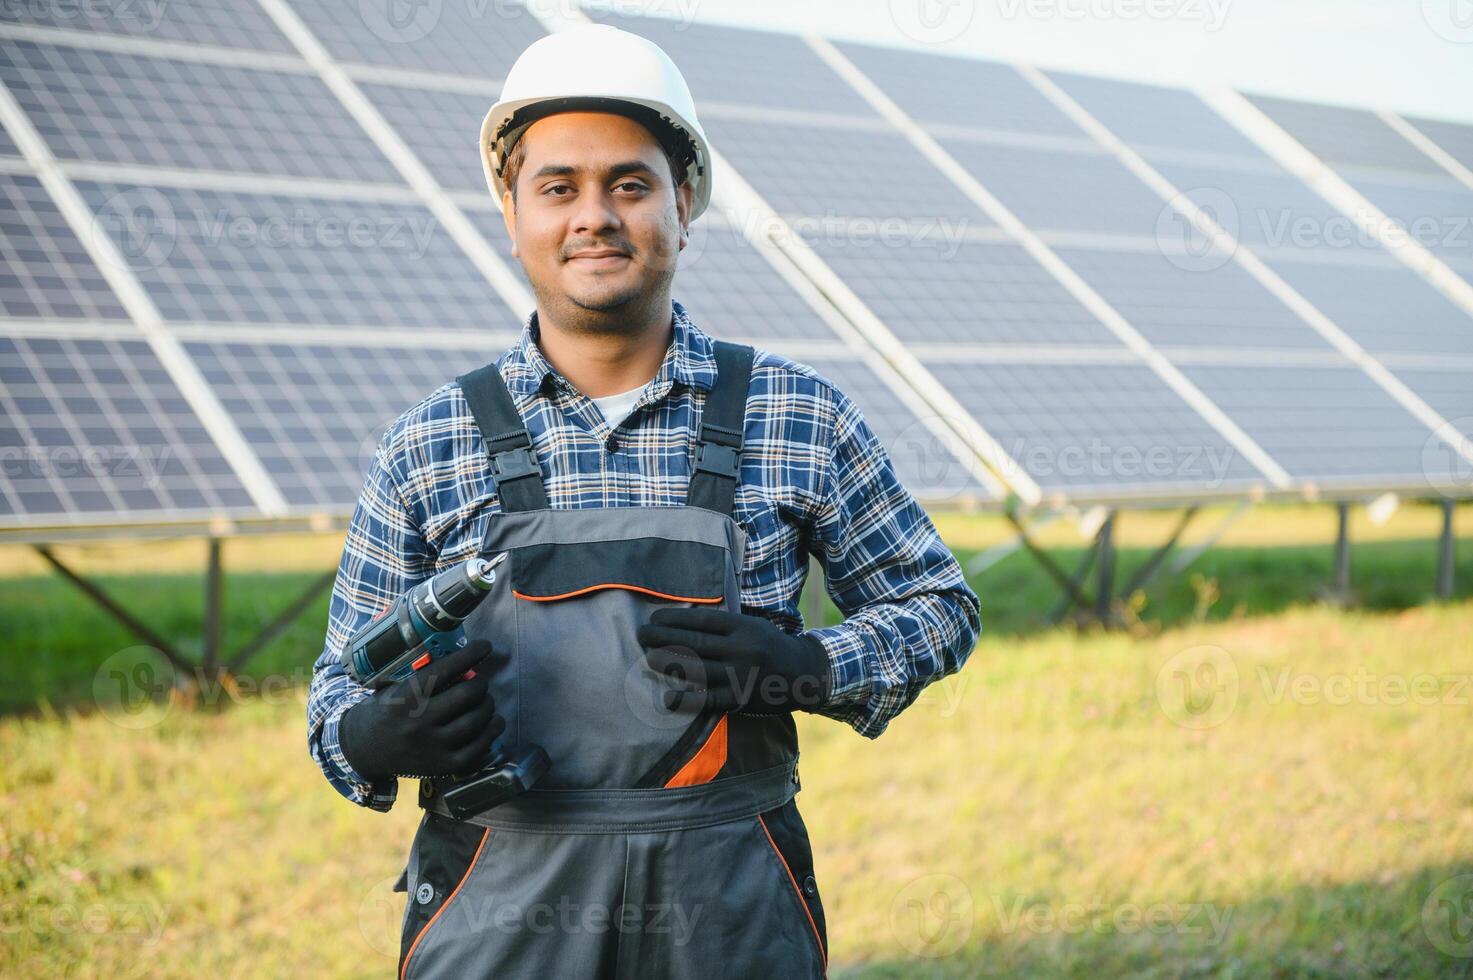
(1320, 423)
(930, 466)
(937, 88)
(314, 413)
(97, 427)
(1074, 427)
(99, 105)
(225, 23)
(1455, 139)
(940, 292)
(440, 127)
(476, 38)
(44, 270)
(1061, 191)
(208, 256)
(841, 173)
(1385, 306)
(761, 68)
(1151, 115)
(1346, 137)
(1182, 300)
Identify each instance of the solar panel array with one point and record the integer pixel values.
(219, 285)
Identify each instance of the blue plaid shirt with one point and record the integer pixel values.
(814, 479)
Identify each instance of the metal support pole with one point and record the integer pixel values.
(1081, 572)
(1105, 580)
(122, 615)
(1148, 571)
(1342, 554)
(284, 619)
(1060, 577)
(1446, 552)
(214, 593)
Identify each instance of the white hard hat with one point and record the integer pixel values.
(589, 67)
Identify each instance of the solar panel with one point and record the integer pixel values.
(221, 257)
(950, 292)
(1329, 424)
(44, 270)
(1448, 392)
(1263, 205)
(1455, 139)
(1346, 137)
(840, 172)
(227, 23)
(474, 39)
(1154, 116)
(90, 429)
(957, 91)
(1062, 191)
(1381, 303)
(1104, 428)
(732, 291)
(314, 413)
(1436, 213)
(99, 105)
(440, 127)
(754, 68)
(1178, 300)
(929, 465)
(7, 145)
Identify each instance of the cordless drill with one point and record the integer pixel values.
(422, 625)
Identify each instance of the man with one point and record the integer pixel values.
(658, 493)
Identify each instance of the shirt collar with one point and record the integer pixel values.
(690, 359)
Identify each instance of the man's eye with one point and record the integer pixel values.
(631, 183)
(557, 187)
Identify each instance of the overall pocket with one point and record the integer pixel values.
(584, 689)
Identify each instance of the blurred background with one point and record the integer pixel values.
(1163, 308)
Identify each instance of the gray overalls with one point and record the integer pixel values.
(661, 842)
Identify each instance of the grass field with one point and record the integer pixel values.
(1250, 783)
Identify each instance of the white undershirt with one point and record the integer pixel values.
(616, 407)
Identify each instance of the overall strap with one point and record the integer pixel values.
(513, 462)
(718, 454)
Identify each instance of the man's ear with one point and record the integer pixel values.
(509, 216)
(684, 200)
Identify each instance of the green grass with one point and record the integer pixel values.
(1054, 810)
(1048, 792)
(66, 638)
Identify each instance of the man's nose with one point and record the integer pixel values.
(595, 211)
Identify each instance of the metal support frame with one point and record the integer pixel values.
(1446, 552)
(1341, 587)
(1101, 558)
(1105, 572)
(212, 665)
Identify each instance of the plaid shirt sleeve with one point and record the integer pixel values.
(384, 555)
(910, 617)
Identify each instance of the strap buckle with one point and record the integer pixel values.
(514, 464)
(718, 459)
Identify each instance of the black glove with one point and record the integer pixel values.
(735, 662)
(431, 723)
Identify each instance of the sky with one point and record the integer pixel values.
(1409, 56)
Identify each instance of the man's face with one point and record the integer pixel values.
(597, 221)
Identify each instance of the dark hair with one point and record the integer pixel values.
(674, 142)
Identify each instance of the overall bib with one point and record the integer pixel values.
(661, 842)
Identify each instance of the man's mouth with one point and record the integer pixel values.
(599, 258)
